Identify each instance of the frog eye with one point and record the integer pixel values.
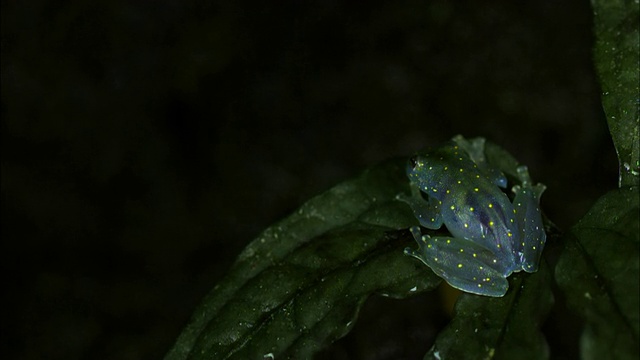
(414, 162)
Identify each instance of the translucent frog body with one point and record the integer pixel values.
(492, 236)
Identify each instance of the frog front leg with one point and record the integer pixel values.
(475, 150)
(426, 211)
(527, 207)
(463, 264)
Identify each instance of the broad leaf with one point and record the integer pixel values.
(599, 268)
(599, 273)
(501, 328)
(616, 60)
(299, 286)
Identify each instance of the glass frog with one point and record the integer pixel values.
(492, 236)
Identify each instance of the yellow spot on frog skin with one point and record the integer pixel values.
(490, 223)
(479, 285)
(459, 181)
(435, 259)
(477, 176)
(476, 189)
(459, 266)
(461, 170)
(490, 205)
(466, 225)
(446, 168)
(509, 234)
(471, 208)
(448, 241)
(475, 255)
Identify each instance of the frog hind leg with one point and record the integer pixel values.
(527, 207)
(461, 263)
(426, 211)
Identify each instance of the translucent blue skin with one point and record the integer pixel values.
(491, 236)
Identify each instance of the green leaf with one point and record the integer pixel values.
(501, 328)
(298, 286)
(616, 60)
(598, 271)
(599, 267)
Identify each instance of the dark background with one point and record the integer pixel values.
(144, 144)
